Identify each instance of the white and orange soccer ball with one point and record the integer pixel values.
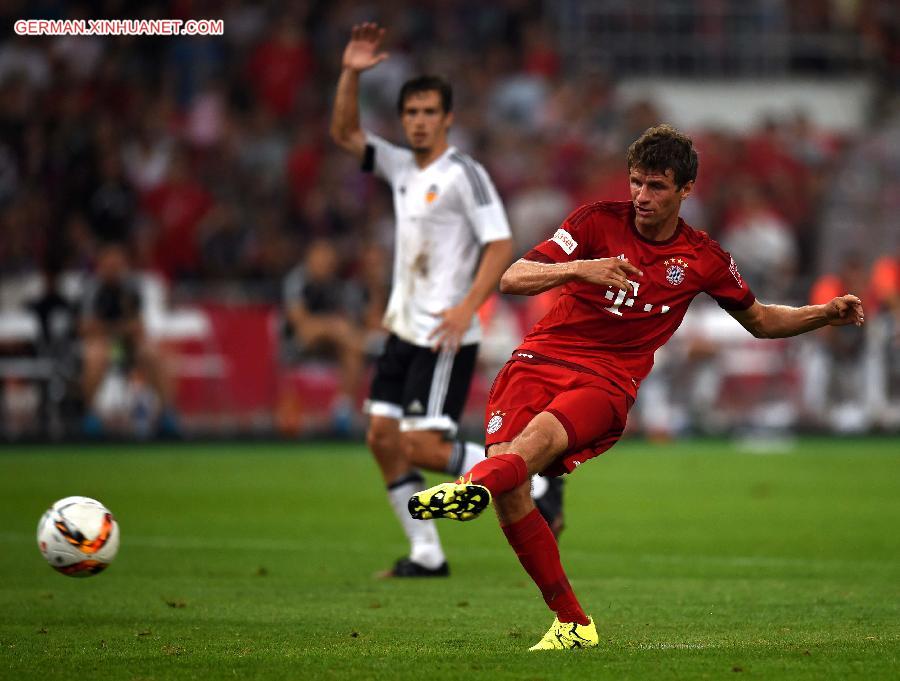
(78, 536)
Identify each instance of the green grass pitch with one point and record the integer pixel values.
(255, 561)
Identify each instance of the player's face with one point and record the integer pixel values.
(424, 120)
(655, 196)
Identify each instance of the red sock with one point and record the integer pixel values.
(538, 552)
(499, 474)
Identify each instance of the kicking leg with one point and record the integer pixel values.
(431, 450)
(543, 439)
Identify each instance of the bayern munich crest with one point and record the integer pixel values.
(675, 268)
(495, 422)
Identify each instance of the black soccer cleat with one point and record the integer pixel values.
(404, 567)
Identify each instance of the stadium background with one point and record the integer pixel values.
(209, 158)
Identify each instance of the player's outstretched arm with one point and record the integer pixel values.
(528, 278)
(361, 53)
(781, 321)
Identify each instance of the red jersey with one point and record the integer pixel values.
(614, 333)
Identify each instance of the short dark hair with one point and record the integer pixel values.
(662, 147)
(426, 84)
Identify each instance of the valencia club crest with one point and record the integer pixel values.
(675, 269)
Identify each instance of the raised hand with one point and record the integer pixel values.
(608, 272)
(362, 52)
(843, 310)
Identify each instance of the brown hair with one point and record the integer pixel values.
(663, 147)
(426, 84)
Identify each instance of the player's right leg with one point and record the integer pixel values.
(531, 538)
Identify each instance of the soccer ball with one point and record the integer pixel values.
(78, 536)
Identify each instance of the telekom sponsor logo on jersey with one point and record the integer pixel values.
(565, 241)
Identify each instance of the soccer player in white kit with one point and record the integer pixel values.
(452, 244)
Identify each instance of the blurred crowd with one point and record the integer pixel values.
(207, 158)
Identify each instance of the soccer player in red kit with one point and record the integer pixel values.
(628, 270)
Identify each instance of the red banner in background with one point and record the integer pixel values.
(229, 379)
(233, 380)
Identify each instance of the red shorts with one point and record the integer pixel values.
(591, 408)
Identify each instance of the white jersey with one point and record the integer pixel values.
(445, 213)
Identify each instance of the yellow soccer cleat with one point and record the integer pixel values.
(568, 635)
(453, 500)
